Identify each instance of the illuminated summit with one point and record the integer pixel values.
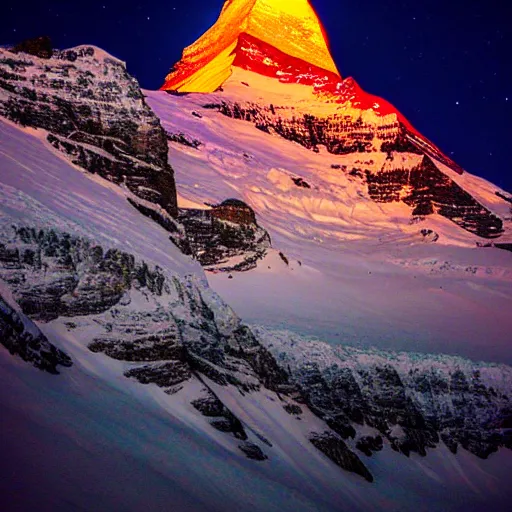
(273, 37)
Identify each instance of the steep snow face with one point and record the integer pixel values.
(41, 188)
(371, 272)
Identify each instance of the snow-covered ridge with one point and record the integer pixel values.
(413, 400)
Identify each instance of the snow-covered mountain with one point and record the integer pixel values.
(129, 382)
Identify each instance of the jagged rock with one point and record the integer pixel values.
(414, 401)
(181, 138)
(293, 409)
(234, 210)
(164, 375)
(22, 338)
(429, 235)
(227, 231)
(284, 258)
(423, 187)
(159, 346)
(336, 449)
(39, 46)
(252, 451)
(94, 112)
(221, 417)
(369, 444)
(61, 275)
(429, 189)
(301, 183)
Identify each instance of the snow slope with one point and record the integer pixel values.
(91, 439)
(366, 275)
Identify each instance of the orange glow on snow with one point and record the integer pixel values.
(290, 26)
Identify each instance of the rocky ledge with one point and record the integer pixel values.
(225, 237)
(412, 401)
(22, 338)
(93, 111)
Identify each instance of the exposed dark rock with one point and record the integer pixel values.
(94, 112)
(39, 46)
(505, 247)
(429, 191)
(164, 375)
(162, 345)
(284, 258)
(369, 444)
(29, 343)
(53, 274)
(336, 449)
(221, 417)
(181, 138)
(252, 451)
(177, 234)
(429, 235)
(504, 197)
(412, 410)
(226, 231)
(234, 210)
(432, 190)
(301, 183)
(293, 409)
(60, 275)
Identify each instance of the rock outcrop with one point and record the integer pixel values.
(225, 237)
(336, 449)
(414, 402)
(93, 111)
(22, 338)
(422, 186)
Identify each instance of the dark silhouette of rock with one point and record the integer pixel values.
(28, 342)
(228, 230)
(38, 46)
(336, 449)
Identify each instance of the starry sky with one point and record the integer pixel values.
(444, 64)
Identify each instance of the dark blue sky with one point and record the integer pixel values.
(444, 63)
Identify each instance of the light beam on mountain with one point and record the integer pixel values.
(291, 28)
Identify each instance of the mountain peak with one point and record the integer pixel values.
(271, 37)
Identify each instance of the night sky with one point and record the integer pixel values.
(444, 64)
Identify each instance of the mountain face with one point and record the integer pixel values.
(287, 29)
(118, 355)
(93, 111)
(319, 109)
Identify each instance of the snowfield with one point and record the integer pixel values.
(360, 272)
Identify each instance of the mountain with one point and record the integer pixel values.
(275, 37)
(263, 43)
(164, 263)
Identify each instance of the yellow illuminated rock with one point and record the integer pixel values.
(290, 26)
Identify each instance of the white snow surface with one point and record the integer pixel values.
(366, 276)
(91, 439)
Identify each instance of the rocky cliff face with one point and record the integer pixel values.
(23, 338)
(225, 237)
(166, 330)
(414, 402)
(171, 331)
(94, 112)
(423, 187)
